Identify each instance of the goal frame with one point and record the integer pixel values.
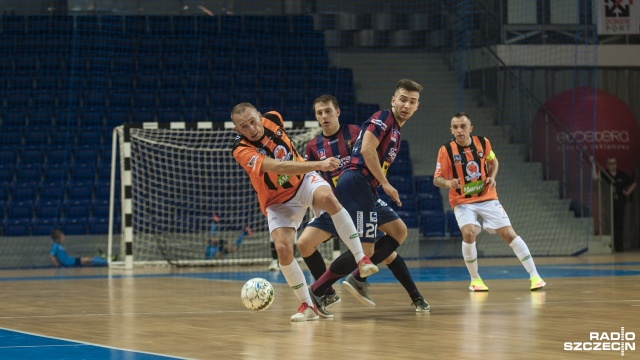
(122, 148)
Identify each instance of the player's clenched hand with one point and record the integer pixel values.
(392, 192)
(329, 164)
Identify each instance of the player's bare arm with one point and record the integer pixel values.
(441, 182)
(492, 167)
(299, 167)
(369, 145)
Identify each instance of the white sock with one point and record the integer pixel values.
(470, 254)
(521, 250)
(348, 233)
(296, 280)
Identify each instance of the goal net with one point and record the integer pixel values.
(174, 178)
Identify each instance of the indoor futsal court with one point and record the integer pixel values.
(163, 313)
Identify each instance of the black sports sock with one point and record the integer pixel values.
(384, 247)
(316, 264)
(400, 270)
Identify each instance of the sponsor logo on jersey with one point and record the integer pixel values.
(473, 171)
(280, 153)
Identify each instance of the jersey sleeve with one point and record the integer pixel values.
(274, 117)
(443, 165)
(489, 151)
(308, 151)
(377, 127)
(250, 160)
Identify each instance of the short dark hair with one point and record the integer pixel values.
(408, 85)
(56, 234)
(461, 114)
(325, 98)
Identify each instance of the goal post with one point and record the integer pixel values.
(174, 177)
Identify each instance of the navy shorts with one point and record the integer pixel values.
(365, 208)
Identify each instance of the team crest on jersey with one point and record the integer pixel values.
(280, 153)
(321, 154)
(481, 154)
(394, 135)
(279, 133)
(457, 158)
(473, 171)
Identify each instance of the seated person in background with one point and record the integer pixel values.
(59, 256)
(217, 247)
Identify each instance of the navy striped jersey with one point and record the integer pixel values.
(383, 125)
(338, 145)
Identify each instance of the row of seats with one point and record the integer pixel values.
(70, 208)
(70, 226)
(46, 155)
(55, 172)
(55, 190)
(38, 119)
(130, 82)
(160, 25)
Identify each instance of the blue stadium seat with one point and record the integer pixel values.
(26, 190)
(410, 218)
(430, 202)
(122, 80)
(88, 137)
(17, 227)
(58, 155)
(28, 172)
(94, 99)
(424, 184)
(100, 208)
(79, 190)
(452, 224)
(222, 80)
(22, 83)
(87, 154)
(36, 138)
(43, 99)
(99, 225)
(49, 82)
(76, 208)
(18, 99)
(117, 117)
(52, 191)
(14, 118)
(143, 114)
(44, 226)
(169, 115)
(8, 157)
(433, 223)
(402, 184)
(84, 172)
(56, 172)
(402, 167)
(184, 25)
(32, 156)
(12, 138)
(19, 209)
(74, 226)
(6, 173)
(41, 118)
(170, 98)
(49, 209)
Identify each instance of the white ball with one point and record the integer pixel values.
(257, 294)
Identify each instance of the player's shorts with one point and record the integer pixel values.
(365, 208)
(491, 211)
(291, 213)
(385, 213)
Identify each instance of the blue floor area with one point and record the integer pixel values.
(425, 274)
(19, 345)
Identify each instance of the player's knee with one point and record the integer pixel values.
(306, 246)
(325, 200)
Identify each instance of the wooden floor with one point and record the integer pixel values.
(197, 313)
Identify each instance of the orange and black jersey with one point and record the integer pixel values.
(469, 165)
(271, 188)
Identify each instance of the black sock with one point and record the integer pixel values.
(400, 270)
(316, 264)
(384, 247)
(344, 264)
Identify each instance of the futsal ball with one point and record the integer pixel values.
(257, 294)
